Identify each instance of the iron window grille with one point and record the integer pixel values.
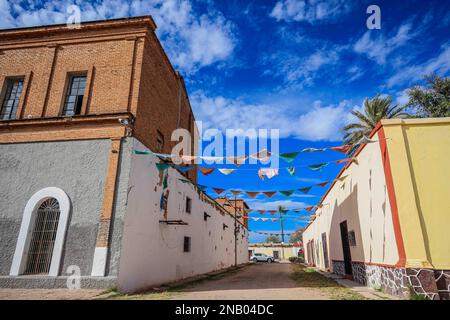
(74, 95)
(43, 238)
(12, 98)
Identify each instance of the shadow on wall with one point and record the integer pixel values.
(347, 212)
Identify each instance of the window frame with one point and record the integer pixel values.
(67, 90)
(28, 219)
(6, 85)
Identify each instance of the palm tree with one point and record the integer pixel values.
(281, 211)
(375, 109)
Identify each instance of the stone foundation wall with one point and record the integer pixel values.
(434, 284)
(338, 267)
(389, 280)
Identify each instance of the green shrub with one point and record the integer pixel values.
(296, 259)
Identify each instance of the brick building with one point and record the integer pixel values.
(75, 103)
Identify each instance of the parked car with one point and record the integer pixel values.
(261, 257)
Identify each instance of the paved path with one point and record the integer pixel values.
(48, 294)
(258, 281)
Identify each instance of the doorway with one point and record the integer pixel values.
(325, 251)
(276, 255)
(346, 249)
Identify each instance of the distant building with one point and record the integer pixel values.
(75, 104)
(277, 250)
(385, 222)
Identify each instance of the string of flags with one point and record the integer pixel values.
(263, 173)
(276, 219)
(262, 155)
(268, 193)
(253, 194)
(271, 233)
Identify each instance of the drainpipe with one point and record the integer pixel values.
(235, 232)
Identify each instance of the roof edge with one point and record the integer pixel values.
(94, 24)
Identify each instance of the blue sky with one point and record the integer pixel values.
(296, 65)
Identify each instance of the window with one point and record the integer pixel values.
(74, 95)
(188, 204)
(352, 238)
(159, 141)
(12, 97)
(43, 237)
(187, 244)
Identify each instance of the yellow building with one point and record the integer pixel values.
(277, 250)
(385, 220)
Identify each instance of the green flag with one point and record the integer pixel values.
(291, 170)
(165, 184)
(305, 190)
(162, 166)
(317, 167)
(287, 192)
(289, 156)
(141, 152)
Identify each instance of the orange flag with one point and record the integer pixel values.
(323, 184)
(206, 171)
(218, 190)
(269, 194)
(309, 208)
(342, 160)
(252, 194)
(343, 148)
(261, 211)
(275, 219)
(273, 211)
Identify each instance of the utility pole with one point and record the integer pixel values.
(235, 232)
(280, 210)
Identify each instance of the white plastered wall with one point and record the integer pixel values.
(152, 252)
(362, 200)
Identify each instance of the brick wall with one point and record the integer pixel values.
(126, 67)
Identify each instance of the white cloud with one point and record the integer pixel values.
(297, 70)
(402, 97)
(319, 123)
(378, 48)
(312, 11)
(407, 75)
(192, 41)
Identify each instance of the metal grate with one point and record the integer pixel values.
(43, 238)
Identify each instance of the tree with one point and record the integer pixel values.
(296, 236)
(433, 101)
(273, 239)
(375, 109)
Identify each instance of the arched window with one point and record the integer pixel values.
(42, 233)
(43, 237)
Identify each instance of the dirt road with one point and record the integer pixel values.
(260, 281)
